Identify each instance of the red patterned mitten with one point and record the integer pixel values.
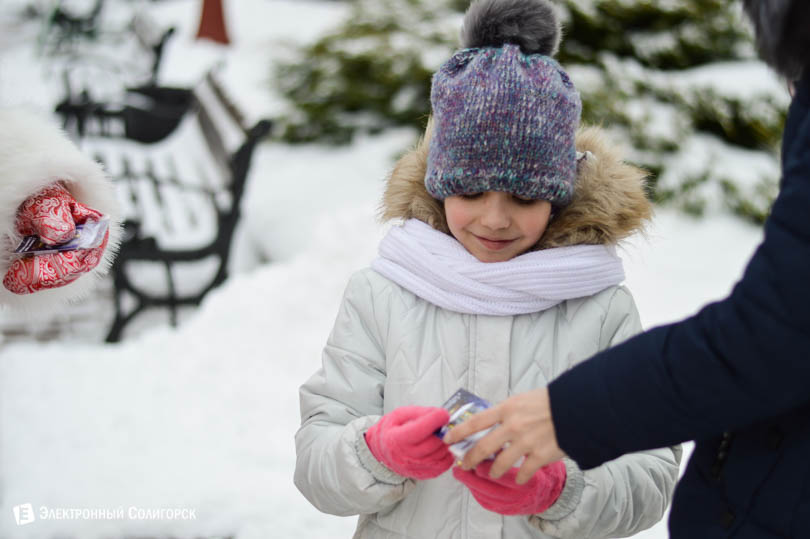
(52, 214)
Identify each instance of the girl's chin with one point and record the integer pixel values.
(492, 257)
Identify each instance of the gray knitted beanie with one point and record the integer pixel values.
(505, 113)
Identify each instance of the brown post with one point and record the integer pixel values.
(212, 22)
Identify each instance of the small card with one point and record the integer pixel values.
(461, 406)
(88, 236)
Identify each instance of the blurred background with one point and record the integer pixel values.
(250, 140)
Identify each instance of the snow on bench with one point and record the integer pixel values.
(181, 197)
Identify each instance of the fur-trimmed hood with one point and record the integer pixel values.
(609, 204)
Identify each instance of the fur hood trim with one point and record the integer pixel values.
(610, 201)
(34, 153)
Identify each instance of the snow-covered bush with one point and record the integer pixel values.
(373, 72)
(676, 80)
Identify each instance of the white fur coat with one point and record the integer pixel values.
(34, 153)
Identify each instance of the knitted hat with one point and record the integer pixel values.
(505, 113)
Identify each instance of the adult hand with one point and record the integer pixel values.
(524, 428)
(52, 214)
(404, 441)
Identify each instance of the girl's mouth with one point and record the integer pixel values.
(494, 245)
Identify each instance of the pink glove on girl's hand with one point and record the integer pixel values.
(52, 214)
(403, 440)
(506, 497)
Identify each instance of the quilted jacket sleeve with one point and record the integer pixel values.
(624, 496)
(334, 469)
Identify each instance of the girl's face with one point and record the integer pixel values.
(496, 226)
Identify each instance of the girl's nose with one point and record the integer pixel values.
(495, 214)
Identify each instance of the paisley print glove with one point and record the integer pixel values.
(52, 214)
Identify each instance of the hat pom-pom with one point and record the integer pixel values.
(531, 24)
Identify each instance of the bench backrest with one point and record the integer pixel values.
(219, 121)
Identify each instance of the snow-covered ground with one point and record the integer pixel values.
(202, 418)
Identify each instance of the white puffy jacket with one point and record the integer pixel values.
(390, 348)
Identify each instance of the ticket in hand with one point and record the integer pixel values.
(88, 236)
(461, 406)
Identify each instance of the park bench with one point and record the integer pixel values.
(102, 51)
(180, 191)
(138, 108)
(63, 28)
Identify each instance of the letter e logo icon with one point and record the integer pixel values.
(24, 514)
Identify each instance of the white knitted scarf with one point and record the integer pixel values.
(437, 268)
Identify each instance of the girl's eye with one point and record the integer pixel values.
(470, 196)
(524, 201)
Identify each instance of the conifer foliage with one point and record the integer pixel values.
(675, 80)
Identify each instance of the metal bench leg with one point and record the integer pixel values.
(172, 295)
(120, 320)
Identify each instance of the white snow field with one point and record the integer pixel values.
(201, 418)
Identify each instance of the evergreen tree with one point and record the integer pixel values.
(373, 72)
(676, 80)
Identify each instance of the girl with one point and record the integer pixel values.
(502, 277)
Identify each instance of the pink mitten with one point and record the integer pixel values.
(506, 497)
(52, 214)
(403, 440)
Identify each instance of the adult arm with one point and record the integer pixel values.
(736, 362)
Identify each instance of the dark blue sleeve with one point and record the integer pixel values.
(736, 362)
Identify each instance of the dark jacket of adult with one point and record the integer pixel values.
(735, 377)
